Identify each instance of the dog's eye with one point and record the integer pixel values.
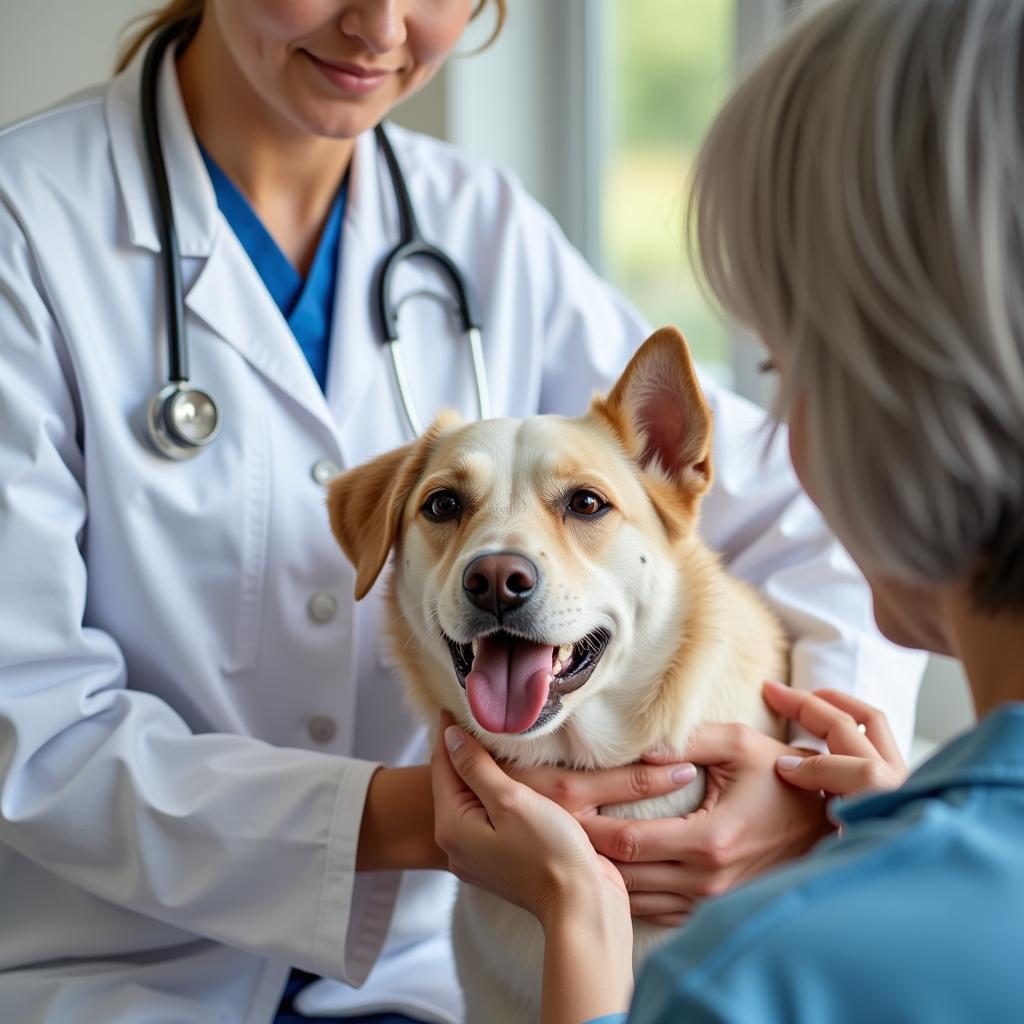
(442, 505)
(586, 503)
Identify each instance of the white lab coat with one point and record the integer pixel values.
(184, 747)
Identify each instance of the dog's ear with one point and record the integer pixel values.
(659, 412)
(365, 503)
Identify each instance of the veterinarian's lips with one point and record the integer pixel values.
(512, 682)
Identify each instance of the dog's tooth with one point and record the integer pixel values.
(475, 646)
(556, 669)
(564, 653)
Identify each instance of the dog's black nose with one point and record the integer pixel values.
(499, 582)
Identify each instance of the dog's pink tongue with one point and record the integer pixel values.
(509, 682)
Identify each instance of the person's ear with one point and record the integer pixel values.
(658, 411)
(365, 504)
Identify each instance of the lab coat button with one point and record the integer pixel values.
(322, 729)
(322, 607)
(323, 470)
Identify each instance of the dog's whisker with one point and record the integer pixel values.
(422, 631)
(431, 626)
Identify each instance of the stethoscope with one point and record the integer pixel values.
(181, 419)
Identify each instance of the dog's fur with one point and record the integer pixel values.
(688, 643)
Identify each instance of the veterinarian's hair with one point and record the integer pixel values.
(191, 11)
(859, 202)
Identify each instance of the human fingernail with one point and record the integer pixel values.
(683, 773)
(453, 738)
(789, 763)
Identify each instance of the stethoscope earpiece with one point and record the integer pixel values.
(182, 420)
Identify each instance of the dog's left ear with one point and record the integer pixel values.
(658, 410)
(365, 503)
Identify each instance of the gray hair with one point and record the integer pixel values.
(859, 202)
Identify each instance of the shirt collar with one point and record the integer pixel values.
(195, 207)
(990, 754)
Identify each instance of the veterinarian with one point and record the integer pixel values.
(856, 203)
(193, 711)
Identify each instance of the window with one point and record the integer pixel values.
(669, 67)
(598, 105)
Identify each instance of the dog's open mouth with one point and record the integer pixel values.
(514, 684)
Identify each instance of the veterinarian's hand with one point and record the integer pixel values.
(863, 754)
(502, 836)
(749, 821)
(584, 793)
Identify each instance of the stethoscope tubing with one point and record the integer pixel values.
(164, 432)
(177, 350)
(412, 245)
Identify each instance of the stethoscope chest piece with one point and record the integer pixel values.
(182, 420)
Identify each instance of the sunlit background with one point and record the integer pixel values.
(666, 77)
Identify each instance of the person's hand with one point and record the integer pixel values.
(504, 837)
(583, 792)
(749, 821)
(863, 754)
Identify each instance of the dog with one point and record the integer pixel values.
(550, 590)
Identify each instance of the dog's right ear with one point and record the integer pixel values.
(658, 411)
(365, 503)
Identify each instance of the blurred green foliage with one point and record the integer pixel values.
(671, 68)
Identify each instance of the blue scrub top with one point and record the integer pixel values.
(306, 304)
(915, 913)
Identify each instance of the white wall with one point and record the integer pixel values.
(49, 48)
(513, 104)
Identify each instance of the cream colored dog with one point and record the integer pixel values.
(550, 590)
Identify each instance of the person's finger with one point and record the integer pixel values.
(835, 726)
(876, 725)
(663, 755)
(701, 839)
(446, 780)
(646, 904)
(658, 876)
(451, 795)
(629, 841)
(665, 920)
(479, 771)
(837, 774)
(582, 791)
(689, 883)
(723, 742)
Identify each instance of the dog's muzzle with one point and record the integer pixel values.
(515, 683)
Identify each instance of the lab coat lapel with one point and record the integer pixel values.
(195, 206)
(229, 296)
(225, 290)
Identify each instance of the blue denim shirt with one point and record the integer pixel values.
(916, 913)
